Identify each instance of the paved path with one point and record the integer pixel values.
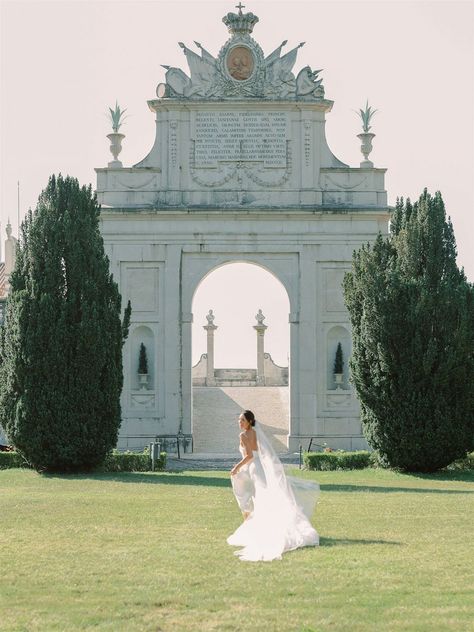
(216, 461)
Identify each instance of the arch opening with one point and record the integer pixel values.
(240, 355)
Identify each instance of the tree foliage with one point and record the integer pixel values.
(61, 344)
(412, 315)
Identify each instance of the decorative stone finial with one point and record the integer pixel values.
(240, 23)
(210, 317)
(116, 118)
(366, 136)
(9, 229)
(366, 116)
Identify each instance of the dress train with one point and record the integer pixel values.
(280, 507)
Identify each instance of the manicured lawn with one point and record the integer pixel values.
(147, 552)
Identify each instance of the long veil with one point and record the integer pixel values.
(300, 493)
(282, 507)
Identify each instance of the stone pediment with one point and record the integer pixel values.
(241, 70)
(241, 130)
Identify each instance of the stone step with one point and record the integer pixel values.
(216, 411)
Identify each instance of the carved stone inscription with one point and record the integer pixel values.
(240, 136)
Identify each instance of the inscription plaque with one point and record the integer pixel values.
(240, 136)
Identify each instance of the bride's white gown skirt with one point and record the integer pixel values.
(280, 508)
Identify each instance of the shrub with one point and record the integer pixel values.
(114, 462)
(132, 462)
(142, 360)
(466, 464)
(9, 460)
(338, 361)
(337, 460)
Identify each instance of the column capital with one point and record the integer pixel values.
(209, 328)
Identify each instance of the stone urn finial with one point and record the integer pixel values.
(116, 118)
(366, 136)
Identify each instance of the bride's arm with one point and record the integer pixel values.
(248, 455)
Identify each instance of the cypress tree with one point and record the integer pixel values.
(338, 361)
(142, 360)
(412, 316)
(61, 344)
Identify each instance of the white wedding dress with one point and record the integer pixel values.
(280, 507)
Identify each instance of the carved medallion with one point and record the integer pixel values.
(240, 63)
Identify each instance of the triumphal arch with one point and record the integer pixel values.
(240, 170)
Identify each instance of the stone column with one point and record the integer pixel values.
(210, 328)
(260, 329)
(10, 255)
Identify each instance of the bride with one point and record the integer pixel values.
(276, 508)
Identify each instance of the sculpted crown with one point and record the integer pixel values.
(240, 23)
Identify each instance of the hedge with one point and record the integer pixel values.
(114, 461)
(338, 460)
(12, 459)
(465, 464)
(132, 462)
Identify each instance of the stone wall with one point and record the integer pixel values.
(274, 374)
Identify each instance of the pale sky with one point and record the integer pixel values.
(64, 63)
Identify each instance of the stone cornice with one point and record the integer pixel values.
(323, 105)
(353, 169)
(119, 170)
(225, 213)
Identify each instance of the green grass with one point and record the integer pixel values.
(147, 552)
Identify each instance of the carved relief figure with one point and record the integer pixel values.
(240, 63)
(202, 72)
(308, 85)
(280, 79)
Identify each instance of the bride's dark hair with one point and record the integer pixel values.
(249, 416)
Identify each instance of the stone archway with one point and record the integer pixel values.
(240, 170)
(220, 391)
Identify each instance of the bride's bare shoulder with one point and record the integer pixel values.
(249, 437)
